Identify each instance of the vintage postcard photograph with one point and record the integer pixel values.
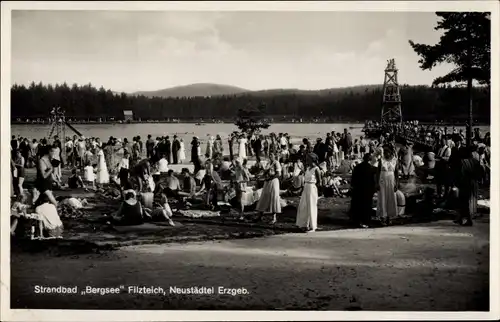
(249, 161)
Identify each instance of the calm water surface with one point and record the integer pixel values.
(187, 130)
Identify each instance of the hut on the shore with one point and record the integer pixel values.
(128, 115)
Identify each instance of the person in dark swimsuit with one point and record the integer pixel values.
(75, 181)
(19, 162)
(44, 174)
(130, 212)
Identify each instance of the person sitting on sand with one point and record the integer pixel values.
(163, 165)
(18, 209)
(297, 178)
(173, 186)
(345, 165)
(161, 212)
(257, 168)
(130, 212)
(200, 174)
(224, 169)
(50, 222)
(188, 184)
(75, 181)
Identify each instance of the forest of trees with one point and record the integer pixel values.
(351, 104)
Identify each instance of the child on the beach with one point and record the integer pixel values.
(75, 181)
(18, 209)
(89, 175)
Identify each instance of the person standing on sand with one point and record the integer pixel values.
(467, 176)
(218, 148)
(182, 151)
(124, 169)
(175, 150)
(150, 144)
(363, 187)
(307, 214)
(102, 170)
(242, 147)
(195, 156)
(241, 176)
(329, 151)
(387, 175)
(168, 149)
(257, 147)
(265, 146)
(270, 197)
(136, 154)
(33, 152)
(81, 148)
(44, 174)
(406, 160)
(19, 163)
(230, 142)
(209, 152)
(443, 174)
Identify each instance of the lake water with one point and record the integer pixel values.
(186, 131)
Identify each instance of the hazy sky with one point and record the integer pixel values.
(130, 51)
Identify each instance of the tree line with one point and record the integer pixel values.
(351, 104)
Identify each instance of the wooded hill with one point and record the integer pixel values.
(357, 103)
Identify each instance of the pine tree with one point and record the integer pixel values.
(251, 120)
(466, 44)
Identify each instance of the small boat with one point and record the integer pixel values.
(199, 124)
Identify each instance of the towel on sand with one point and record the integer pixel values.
(199, 213)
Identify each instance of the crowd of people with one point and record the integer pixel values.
(428, 135)
(142, 171)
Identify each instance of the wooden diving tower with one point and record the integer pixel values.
(391, 100)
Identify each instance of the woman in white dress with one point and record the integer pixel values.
(387, 206)
(210, 148)
(336, 155)
(198, 148)
(102, 170)
(242, 148)
(307, 214)
(270, 198)
(182, 152)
